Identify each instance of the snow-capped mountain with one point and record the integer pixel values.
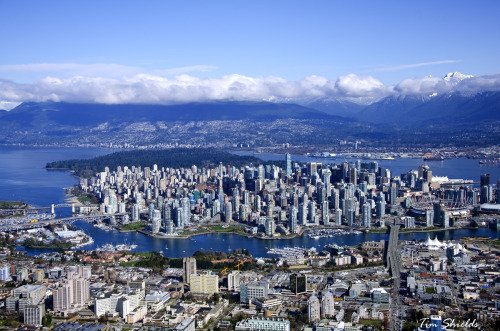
(456, 77)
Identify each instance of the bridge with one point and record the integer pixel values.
(57, 221)
(35, 210)
(393, 259)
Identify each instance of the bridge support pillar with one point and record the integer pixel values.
(52, 209)
(72, 208)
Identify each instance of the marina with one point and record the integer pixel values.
(116, 248)
(330, 233)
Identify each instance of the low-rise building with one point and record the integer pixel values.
(277, 324)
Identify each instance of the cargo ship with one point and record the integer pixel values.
(434, 158)
(494, 161)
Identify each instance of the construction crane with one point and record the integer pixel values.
(242, 262)
(224, 271)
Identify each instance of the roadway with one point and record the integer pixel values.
(394, 263)
(42, 223)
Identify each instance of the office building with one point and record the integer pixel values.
(205, 283)
(393, 194)
(253, 290)
(485, 180)
(33, 314)
(24, 296)
(189, 324)
(353, 177)
(379, 295)
(264, 324)
(298, 283)
(62, 297)
(188, 268)
(233, 281)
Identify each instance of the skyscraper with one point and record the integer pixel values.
(353, 176)
(485, 180)
(303, 214)
(312, 217)
(393, 193)
(288, 158)
(334, 198)
(367, 215)
(338, 216)
(156, 221)
(228, 212)
(188, 268)
(325, 213)
(350, 217)
(313, 309)
(233, 281)
(328, 305)
(62, 297)
(292, 220)
(270, 226)
(298, 283)
(380, 208)
(429, 217)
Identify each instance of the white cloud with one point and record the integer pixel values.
(482, 83)
(7, 105)
(413, 65)
(109, 70)
(72, 69)
(429, 85)
(424, 85)
(357, 86)
(154, 89)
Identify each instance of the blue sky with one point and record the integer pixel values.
(389, 41)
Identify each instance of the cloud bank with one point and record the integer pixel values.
(155, 89)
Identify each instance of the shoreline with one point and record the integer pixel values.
(190, 235)
(250, 236)
(71, 198)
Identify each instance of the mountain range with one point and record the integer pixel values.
(82, 115)
(419, 110)
(255, 123)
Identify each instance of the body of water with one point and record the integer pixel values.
(23, 177)
(456, 168)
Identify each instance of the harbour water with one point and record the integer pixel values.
(455, 168)
(23, 177)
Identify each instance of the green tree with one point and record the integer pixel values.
(48, 320)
